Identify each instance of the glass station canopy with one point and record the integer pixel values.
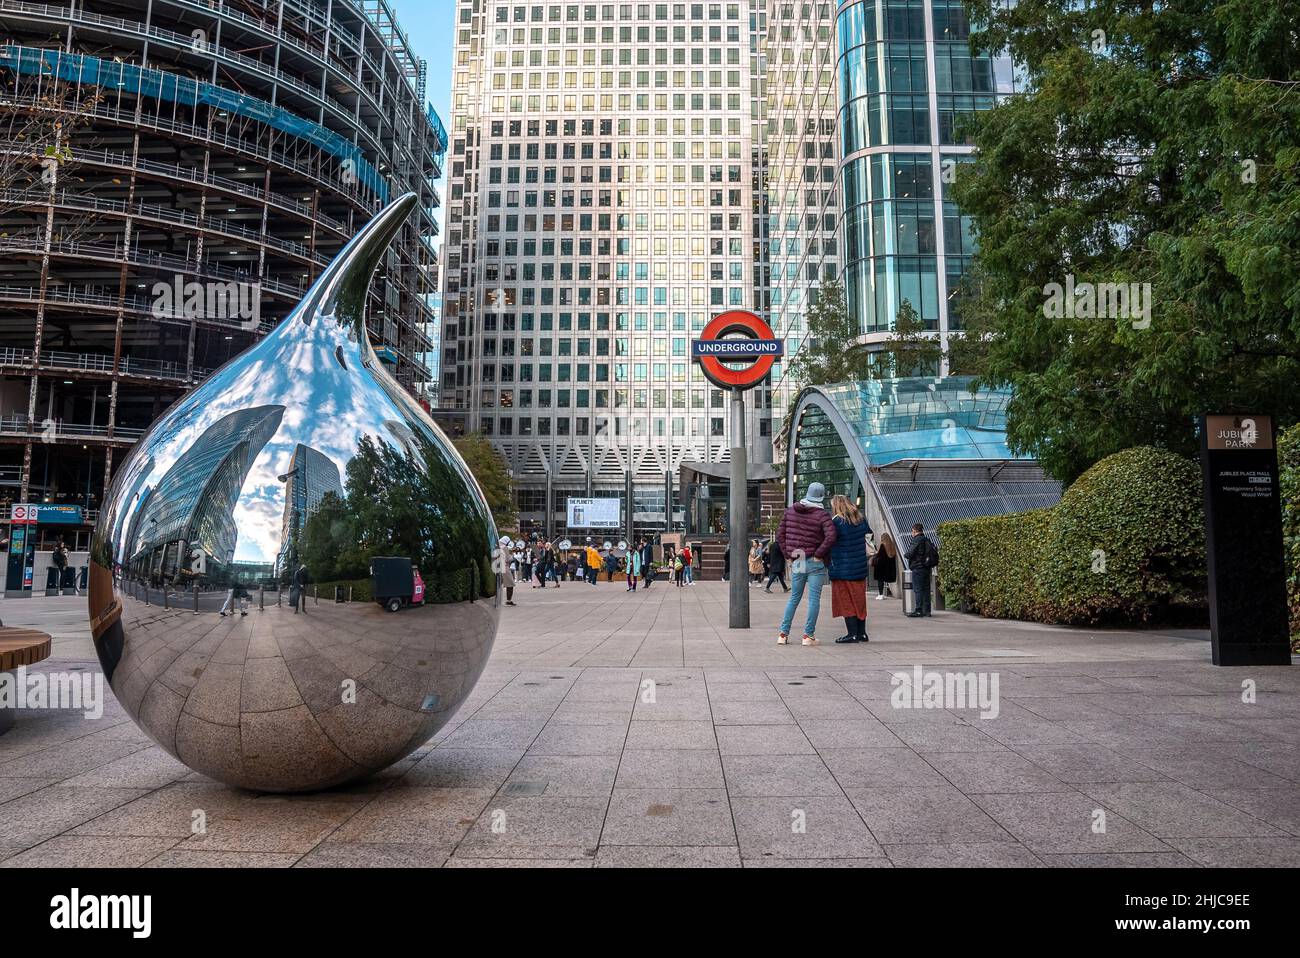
(840, 432)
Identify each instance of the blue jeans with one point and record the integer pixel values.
(813, 577)
(686, 569)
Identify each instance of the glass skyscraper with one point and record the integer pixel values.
(906, 79)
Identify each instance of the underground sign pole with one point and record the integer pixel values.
(753, 344)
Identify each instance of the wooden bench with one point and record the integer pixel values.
(19, 647)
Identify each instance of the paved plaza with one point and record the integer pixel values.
(635, 729)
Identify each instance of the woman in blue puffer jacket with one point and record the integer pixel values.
(849, 569)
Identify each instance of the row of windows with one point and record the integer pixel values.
(626, 126)
(566, 199)
(570, 40)
(619, 296)
(567, 321)
(581, 398)
(525, 426)
(585, 222)
(570, 104)
(568, 271)
(602, 247)
(626, 79)
(626, 11)
(904, 120)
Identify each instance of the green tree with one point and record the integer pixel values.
(492, 474)
(1161, 146)
(910, 350)
(403, 502)
(329, 542)
(828, 354)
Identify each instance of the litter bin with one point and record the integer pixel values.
(52, 580)
(339, 594)
(909, 598)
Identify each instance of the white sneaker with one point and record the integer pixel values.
(879, 597)
(809, 640)
(782, 638)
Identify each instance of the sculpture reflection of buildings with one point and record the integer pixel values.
(311, 475)
(193, 504)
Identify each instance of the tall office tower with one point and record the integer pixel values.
(907, 79)
(803, 205)
(311, 475)
(600, 211)
(883, 136)
(187, 170)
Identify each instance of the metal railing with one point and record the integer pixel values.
(211, 224)
(99, 363)
(48, 430)
(226, 141)
(106, 298)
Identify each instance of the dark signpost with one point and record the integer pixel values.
(1243, 522)
(755, 350)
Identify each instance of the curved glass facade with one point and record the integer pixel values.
(906, 78)
(894, 419)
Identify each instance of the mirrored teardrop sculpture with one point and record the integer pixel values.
(291, 579)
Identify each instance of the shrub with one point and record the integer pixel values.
(1124, 544)
(988, 564)
(1127, 540)
(1288, 460)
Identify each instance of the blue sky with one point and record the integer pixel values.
(430, 26)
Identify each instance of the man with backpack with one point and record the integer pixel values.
(922, 558)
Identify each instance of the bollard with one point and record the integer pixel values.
(261, 598)
(279, 593)
(196, 598)
(166, 597)
(349, 593)
(315, 595)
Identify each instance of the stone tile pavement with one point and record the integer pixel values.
(621, 730)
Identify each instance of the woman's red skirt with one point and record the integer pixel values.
(849, 597)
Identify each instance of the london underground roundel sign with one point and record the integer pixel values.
(758, 346)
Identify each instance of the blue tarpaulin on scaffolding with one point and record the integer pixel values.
(177, 89)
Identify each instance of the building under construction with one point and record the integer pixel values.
(174, 174)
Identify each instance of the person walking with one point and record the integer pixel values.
(679, 570)
(298, 594)
(775, 566)
(884, 566)
(647, 562)
(849, 569)
(506, 577)
(633, 568)
(922, 558)
(60, 559)
(755, 562)
(593, 562)
(540, 564)
(526, 564)
(806, 535)
(687, 560)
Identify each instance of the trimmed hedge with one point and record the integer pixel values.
(1126, 544)
(453, 586)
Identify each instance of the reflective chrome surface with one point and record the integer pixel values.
(300, 454)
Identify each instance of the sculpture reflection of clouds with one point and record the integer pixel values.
(193, 504)
(262, 700)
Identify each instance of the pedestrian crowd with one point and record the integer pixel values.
(813, 544)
